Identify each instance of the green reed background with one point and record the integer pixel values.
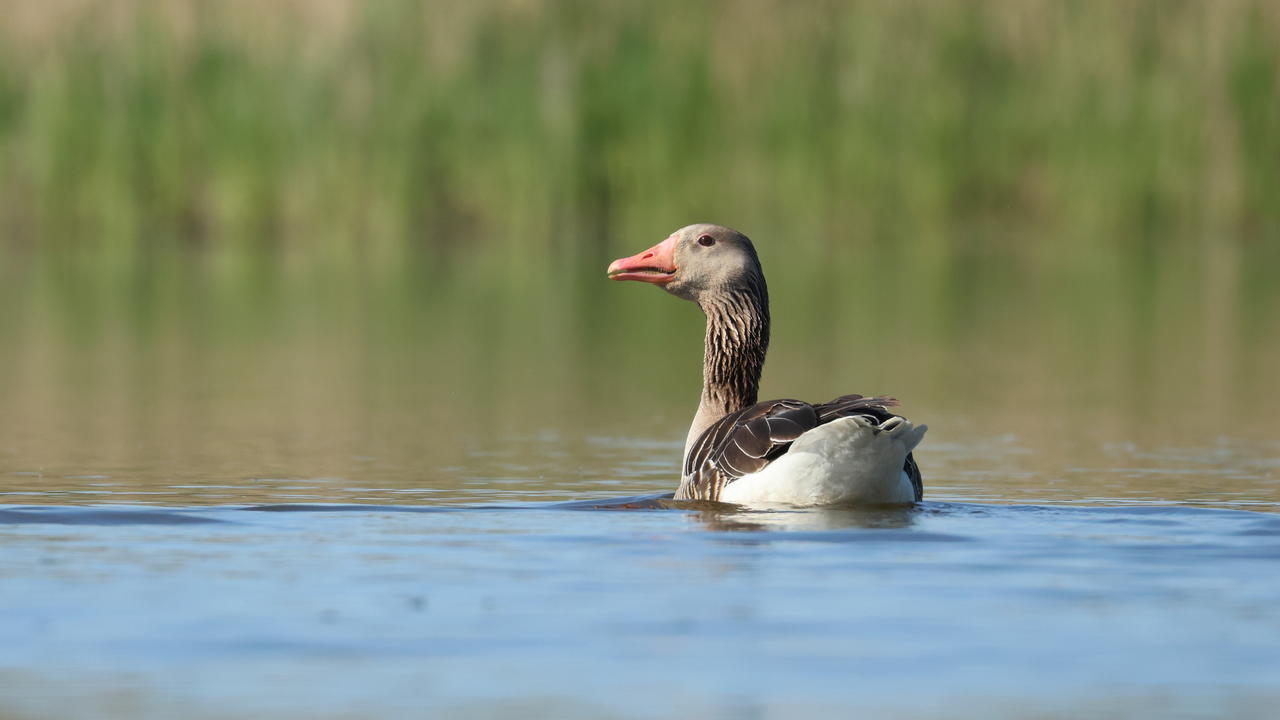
(1009, 195)
(375, 129)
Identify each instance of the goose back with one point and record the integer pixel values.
(748, 440)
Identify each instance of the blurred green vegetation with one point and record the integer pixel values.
(1005, 196)
(547, 127)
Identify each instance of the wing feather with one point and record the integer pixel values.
(746, 441)
(784, 429)
(751, 444)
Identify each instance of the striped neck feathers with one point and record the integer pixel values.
(734, 348)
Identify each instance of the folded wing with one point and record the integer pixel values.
(746, 441)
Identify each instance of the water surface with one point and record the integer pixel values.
(315, 402)
(547, 576)
(371, 494)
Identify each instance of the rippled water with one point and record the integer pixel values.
(483, 590)
(287, 500)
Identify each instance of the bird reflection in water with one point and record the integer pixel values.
(726, 517)
(722, 517)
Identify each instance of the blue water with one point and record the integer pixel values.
(636, 610)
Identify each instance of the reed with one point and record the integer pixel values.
(550, 128)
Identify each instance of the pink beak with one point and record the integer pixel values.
(656, 265)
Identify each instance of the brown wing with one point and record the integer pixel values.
(746, 441)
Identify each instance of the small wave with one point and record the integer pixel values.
(41, 515)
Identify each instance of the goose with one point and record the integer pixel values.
(851, 450)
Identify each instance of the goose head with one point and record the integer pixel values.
(696, 263)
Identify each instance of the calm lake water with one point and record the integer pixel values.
(282, 502)
(315, 402)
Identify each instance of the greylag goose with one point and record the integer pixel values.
(849, 450)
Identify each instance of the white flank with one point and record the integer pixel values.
(845, 461)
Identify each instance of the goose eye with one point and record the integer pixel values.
(706, 241)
